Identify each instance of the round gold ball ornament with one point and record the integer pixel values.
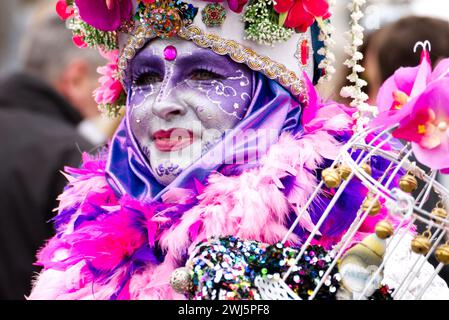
(331, 178)
(439, 212)
(442, 254)
(344, 171)
(421, 244)
(408, 183)
(371, 204)
(180, 280)
(384, 229)
(367, 168)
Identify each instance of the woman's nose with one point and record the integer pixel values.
(168, 110)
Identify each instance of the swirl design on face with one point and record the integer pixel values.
(168, 169)
(218, 91)
(175, 105)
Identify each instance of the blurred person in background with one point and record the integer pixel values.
(44, 125)
(4, 36)
(391, 47)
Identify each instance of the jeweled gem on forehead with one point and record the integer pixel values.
(170, 53)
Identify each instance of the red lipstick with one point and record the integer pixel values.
(172, 139)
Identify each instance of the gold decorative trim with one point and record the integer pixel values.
(233, 49)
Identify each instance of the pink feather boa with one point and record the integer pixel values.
(251, 206)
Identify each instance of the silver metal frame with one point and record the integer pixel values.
(409, 209)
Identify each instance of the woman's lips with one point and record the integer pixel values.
(172, 139)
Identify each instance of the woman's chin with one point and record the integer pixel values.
(167, 166)
(165, 180)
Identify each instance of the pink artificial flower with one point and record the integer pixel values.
(234, 5)
(105, 15)
(237, 5)
(78, 40)
(427, 126)
(63, 10)
(398, 92)
(418, 101)
(111, 88)
(399, 89)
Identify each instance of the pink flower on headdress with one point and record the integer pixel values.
(111, 88)
(234, 5)
(63, 10)
(78, 40)
(105, 15)
(301, 14)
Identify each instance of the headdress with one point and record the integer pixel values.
(280, 39)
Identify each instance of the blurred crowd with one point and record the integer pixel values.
(48, 116)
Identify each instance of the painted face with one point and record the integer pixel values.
(182, 98)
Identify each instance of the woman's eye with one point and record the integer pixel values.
(202, 74)
(147, 78)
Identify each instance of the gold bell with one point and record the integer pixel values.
(367, 168)
(373, 203)
(408, 183)
(421, 243)
(331, 178)
(180, 280)
(439, 213)
(384, 229)
(442, 254)
(344, 172)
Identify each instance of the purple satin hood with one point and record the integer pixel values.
(272, 108)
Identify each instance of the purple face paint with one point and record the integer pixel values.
(182, 98)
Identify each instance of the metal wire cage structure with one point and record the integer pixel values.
(406, 251)
(396, 254)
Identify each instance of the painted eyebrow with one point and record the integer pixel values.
(202, 57)
(147, 60)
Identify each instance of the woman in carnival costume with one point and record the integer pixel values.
(223, 140)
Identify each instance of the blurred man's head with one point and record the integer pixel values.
(48, 52)
(391, 47)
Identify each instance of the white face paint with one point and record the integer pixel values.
(181, 108)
